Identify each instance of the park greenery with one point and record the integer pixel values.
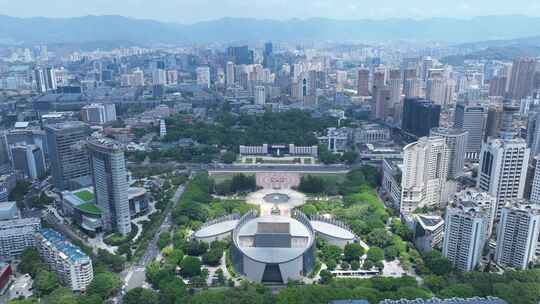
(228, 131)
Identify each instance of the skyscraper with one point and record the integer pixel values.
(240, 55)
(456, 141)
(362, 82)
(411, 84)
(268, 55)
(382, 103)
(420, 116)
(260, 95)
(5, 164)
(203, 76)
(394, 84)
(472, 119)
(503, 169)
(517, 234)
(464, 235)
(109, 175)
(497, 86)
(29, 160)
(68, 161)
(229, 74)
(423, 181)
(522, 77)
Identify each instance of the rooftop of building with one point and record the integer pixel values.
(474, 300)
(429, 222)
(448, 131)
(273, 229)
(104, 142)
(66, 125)
(66, 248)
(19, 222)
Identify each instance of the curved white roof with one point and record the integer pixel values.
(274, 255)
(216, 229)
(332, 230)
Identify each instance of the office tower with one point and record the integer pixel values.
(411, 84)
(203, 76)
(159, 77)
(17, 235)
(420, 116)
(230, 74)
(172, 77)
(456, 140)
(72, 266)
(362, 82)
(109, 175)
(68, 161)
(382, 102)
(341, 80)
(522, 77)
(29, 160)
(5, 163)
(507, 129)
(485, 203)
(268, 55)
(497, 86)
(379, 80)
(423, 181)
(439, 90)
(494, 121)
(517, 234)
(99, 113)
(427, 65)
(394, 84)
(260, 95)
(240, 55)
(503, 169)
(39, 77)
(464, 235)
(50, 79)
(137, 78)
(472, 119)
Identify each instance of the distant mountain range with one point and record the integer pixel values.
(117, 28)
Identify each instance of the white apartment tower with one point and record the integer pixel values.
(109, 174)
(517, 234)
(464, 235)
(456, 141)
(203, 76)
(424, 175)
(503, 169)
(260, 95)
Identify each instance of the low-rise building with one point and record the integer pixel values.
(21, 288)
(428, 232)
(391, 180)
(17, 235)
(371, 133)
(72, 266)
(9, 211)
(335, 140)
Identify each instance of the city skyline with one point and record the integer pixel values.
(187, 11)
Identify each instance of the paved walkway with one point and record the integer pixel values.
(262, 198)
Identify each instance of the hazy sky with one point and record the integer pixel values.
(187, 11)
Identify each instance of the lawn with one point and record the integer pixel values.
(85, 195)
(89, 208)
